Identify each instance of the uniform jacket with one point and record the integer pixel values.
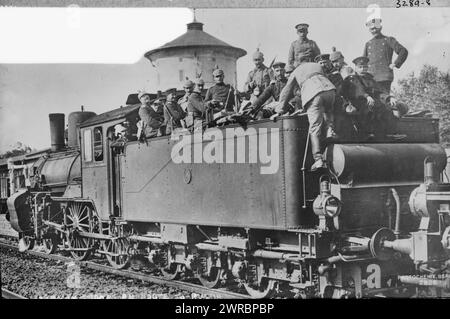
(357, 87)
(221, 92)
(311, 80)
(152, 119)
(258, 77)
(379, 50)
(302, 46)
(196, 105)
(182, 102)
(173, 114)
(273, 90)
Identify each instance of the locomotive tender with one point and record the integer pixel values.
(372, 224)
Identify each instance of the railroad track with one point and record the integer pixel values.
(187, 286)
(6, 294)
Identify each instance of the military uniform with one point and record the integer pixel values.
(317, 94)
(153, 119)
(223, 93)
(173, 114)
(196, 106)
(378, 120)
(272, 91)
(258, 78)
(379, 50)
(306, 46)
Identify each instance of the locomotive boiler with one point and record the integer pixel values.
(238, 203)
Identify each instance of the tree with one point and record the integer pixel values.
(16, 150)
(429, 91)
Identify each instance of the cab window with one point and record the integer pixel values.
(98, 144)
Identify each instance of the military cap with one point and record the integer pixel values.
(188, 84)
(258, 54)
(362, 60)
(279, 64)
(336, 55)
(200, 82)
(142, 93)
(373, 23)
(218, 72)
(322, 57)
(301, 26)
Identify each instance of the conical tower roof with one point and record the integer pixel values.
(194, 38)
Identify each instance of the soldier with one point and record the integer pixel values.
(373, 104)
(151, 115)
(259, 78)
(379, 50)
(302, 46)
(272, 91)
(196, 107)
(317, 94)
(173, 114)
(339, 65)
(220, 96)
(188, 88)
(200, 84)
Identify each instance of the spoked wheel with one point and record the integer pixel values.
(264, 290)
(79, 218)
(118, 247)
(172, 272)
(211, 280)
(25, 242)
(50, 243)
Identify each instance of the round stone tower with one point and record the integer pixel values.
(192, 55)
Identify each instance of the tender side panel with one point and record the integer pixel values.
(234, 194)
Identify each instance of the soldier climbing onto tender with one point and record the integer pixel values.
(317, 94)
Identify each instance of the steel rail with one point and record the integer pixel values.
(191, 287)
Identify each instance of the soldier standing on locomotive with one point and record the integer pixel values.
(379, 50)
(152, 116)
(302, 47)
(196, 108)
(173, 114)
(219, 97)
(188, 88)
(259, 78)
(317, 94)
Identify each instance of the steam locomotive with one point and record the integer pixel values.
(237, 203)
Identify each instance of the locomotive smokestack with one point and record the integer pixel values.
(57, 131)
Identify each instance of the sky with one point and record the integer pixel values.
(57, 59)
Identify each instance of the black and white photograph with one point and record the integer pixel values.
(206, 150)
